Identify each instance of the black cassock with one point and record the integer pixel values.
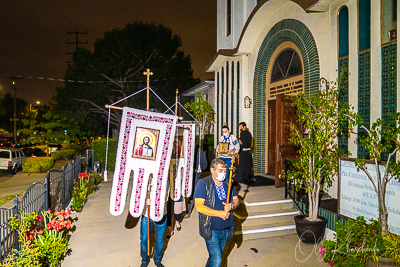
(245, 169)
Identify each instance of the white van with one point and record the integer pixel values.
(11, 159)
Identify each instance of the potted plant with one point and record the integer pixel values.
(315, 133)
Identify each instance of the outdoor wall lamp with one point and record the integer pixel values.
(323, 84)
(247, 102)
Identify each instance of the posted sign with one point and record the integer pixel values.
(357, 196)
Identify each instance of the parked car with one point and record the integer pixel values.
(11, 159)
(33, 152)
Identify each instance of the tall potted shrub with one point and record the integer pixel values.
(315, 133)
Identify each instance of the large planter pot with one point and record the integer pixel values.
(383, 262)
(310, 232)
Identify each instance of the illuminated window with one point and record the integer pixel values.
(389, 20)
(343, 32)
(364, 24)
(228, 17)
(287, 65)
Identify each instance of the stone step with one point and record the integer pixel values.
(264, 231)
(271, 216)
(274, 205)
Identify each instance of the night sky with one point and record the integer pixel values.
(33, 35)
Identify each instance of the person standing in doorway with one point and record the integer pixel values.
(215, 211)
(244, 173)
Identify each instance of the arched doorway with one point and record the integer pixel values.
(294, 32)
(285, 77)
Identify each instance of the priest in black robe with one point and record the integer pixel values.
(244, 173)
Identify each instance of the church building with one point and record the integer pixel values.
(269, 48)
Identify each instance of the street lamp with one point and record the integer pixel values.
(30, 105)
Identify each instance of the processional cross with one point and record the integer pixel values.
(148, 73)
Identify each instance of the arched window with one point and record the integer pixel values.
(389, 20)
(364, 24)
(285, 74)
(287, 65)
(343, 29)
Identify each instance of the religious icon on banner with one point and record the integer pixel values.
(223, 148)
(146, 141)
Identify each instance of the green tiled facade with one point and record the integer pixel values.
(285, 30)
(343, 141)
(389, 83)
(364, 98)
(389, 80)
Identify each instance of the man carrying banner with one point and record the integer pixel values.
(215, 214)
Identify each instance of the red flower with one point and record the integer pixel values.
(69, 212)
(56, 213)
(68, 224)
(49, 225)
(38, 217)
(48, 211)
(40, 232)
(63, 213)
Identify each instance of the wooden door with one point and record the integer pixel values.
(271, 137)
(284, 149)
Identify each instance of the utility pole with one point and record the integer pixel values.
(14, 78)
(77, 43)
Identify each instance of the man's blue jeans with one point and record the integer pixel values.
(215, 246)
(159, 228)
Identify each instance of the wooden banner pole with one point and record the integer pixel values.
(232, 155)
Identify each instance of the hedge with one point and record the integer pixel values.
(35, 165)
(99, 148)
(63, 154)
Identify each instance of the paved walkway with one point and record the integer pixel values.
(104, 240)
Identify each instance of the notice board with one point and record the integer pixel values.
(357, 196)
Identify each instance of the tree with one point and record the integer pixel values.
(115, 69)
(321, 116)
(382, 140)
(49, 126)
(204, 113)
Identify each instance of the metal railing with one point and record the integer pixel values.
(290, 188)
(55, 193)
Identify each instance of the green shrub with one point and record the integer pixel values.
(63, 154)
(99, 148)
(35, 165)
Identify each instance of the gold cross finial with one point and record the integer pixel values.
(148, 73)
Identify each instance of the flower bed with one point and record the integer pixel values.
(43, 238)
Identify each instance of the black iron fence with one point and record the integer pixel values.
(55, 193)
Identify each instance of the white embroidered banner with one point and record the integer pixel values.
(184, 163)
(144, 147)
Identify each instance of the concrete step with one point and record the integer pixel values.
(264, 231)
(271, 216)
(274, 205)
